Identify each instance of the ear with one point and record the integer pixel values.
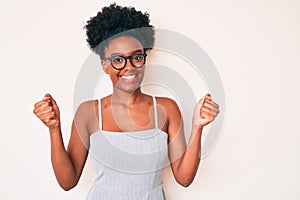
(104, 66)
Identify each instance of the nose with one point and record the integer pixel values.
(128, 66)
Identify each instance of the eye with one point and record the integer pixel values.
(138, 57)
(118, 59)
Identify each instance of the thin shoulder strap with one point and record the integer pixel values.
(155, 112)
(99, 114)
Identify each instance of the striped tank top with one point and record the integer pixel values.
(128, 165)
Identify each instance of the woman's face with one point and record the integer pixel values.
(129, 78)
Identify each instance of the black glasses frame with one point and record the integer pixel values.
(126, 58)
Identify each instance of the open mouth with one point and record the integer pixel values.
(128, 78)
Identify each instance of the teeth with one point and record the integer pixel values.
(128, 77)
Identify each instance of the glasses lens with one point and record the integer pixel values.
(118, 62)
(138, 60)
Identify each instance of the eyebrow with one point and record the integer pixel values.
(119, 54)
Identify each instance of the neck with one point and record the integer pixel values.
(125, 98)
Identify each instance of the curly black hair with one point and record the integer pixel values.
(115, 21)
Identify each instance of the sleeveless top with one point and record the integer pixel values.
(128, 165)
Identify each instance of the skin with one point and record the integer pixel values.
(124, 110)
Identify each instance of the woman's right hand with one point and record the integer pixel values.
(47, 111)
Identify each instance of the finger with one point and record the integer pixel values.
(210, 116)
(211, 107)
(214, 111)
(212, 104)
(200, 103)
(50, 103)
(209, 112)
(41, 107)
(199, 107)
(53, 103)
(208, 97)
(205, 98)
(47, 97)
(51, 122)
(46, 117)
(45, 110)
(204, 101)
(38, 104)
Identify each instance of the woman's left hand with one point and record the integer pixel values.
(205, 111)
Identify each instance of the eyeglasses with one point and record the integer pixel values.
(119, 62)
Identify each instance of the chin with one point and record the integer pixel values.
(128, 88)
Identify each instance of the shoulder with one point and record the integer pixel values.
(89, 104)
(86, 110)
(94, 102)
(166, 101)
(169, 105)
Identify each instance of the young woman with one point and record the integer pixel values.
(131, 136)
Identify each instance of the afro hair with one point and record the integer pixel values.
(115, 21)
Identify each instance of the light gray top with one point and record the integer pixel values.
(129, 165)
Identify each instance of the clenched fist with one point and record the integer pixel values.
(205, 111)
(47, 111)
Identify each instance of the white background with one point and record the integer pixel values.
(255, 46)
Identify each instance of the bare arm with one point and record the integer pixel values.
(67, 164)
(185, 159)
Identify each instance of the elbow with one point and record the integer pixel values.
(67, 182)
(185, 179)
(186, 185)
(185, 182)
(67, 186)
